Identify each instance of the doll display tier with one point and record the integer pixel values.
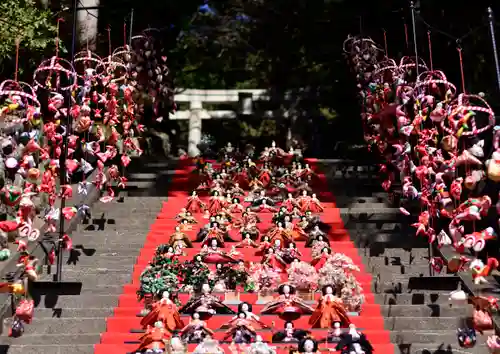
(123, 328)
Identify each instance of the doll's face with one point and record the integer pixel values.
(325, 250)
(304, 193)
(212, 218)
(170, 250)
(205, 288)
(320, 238)
(270, 250)
(289, 325)
(316, 228)
(266, 238)
(286, 289)
(194, 194)
(296, 260)
(262, 193)
(196, 316)
(216, 193)
(287, 218)
(280, 224)
(177, 228)
(213, 243)
(308, 346)
(291, 245)
(241, 315)
(264, 202)
(329, 290)
(184, 222)
(290, 195)
(247, 236)
(314, 195)
(244, 307)
(165, 295)
(277, 242)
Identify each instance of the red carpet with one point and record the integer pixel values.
(118, 338)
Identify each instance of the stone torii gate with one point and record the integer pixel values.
(196, 113)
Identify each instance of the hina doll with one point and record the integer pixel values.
(246, 308)
(264, 245)
(186, 215)
(287, 305)
(303, 201)
(354, 342)
(274, 261)
(214, 233)
(241, 330)
(194, 204)
(196, 331)
(179, 239)
(316, 235)
(251, 216)
(202, 233)
(278, 232)
(308, 345)
(296, 214)
(235, 207)
(260, 347)
(291, 252)
(289, 334)
(314, 205)
(251, 229)
(185, 226)
(213, 254)
(330, 310)
(265, 176)
(265, 207)
(216, 203)
(236, 190)
(205, 304)
(154, 340)
(247, 242)
(301, 187)
(164, 311)
(295, 231)
(319, 261)
(262, 199)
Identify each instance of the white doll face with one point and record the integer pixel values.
(170, 250)
(287, 218)
(304, 193)
(314, 195)
(247, 236)
(291, 245)
(289, 325)
(196, 316)
(262, 193)
(290, 195)
(165, 295)
(286, 289)
(244, 307)
(177, 228)
(325, 250)
(329, 290)
(264, 202)
(308, 346)
(216, 193)
(205, 288)
(277, 243)
(213, 243)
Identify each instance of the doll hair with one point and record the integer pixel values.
(212, 240)
(282, 286)
(197, 258)
(240, 307)
(292, 244)
(327, 248)
(323, 289)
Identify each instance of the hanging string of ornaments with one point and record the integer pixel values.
(435, 146)
(90, 104)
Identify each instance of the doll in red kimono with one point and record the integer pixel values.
(264, 207)
(314, 205)
(235, 207)
(263, 246)
(194, 204)
(274, 261)
(303, 201)
(320, 261)
(247, 242)
(265, 176)
(216, 204)
(290, 203)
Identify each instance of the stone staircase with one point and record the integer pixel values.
(420, 319)
(104, 254)
(417, 311)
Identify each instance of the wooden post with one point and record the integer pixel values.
(195, 121)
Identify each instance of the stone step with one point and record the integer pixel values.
(409, 271)
(79, 259)
(421, 323)
(60, 312)
(387, 261)
(136, 238)
(90, 298)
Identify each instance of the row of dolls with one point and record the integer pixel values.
(259, 200)
(243, 326)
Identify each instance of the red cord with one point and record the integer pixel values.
(406, 36)
(430, 49)
(461, 68)
(385, 44)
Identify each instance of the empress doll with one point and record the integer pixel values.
(265, 207)
(319, 261)
(287, 305)
(289, 334)
(216, 203)
(213, 254)
(196, 330)
(241, 329)
(330, 310)
(194, 204)
(274, 261)
(179, 239)
(165, 311)
(154, 340)
(205, 304)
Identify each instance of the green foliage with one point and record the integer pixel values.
(22, 21)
